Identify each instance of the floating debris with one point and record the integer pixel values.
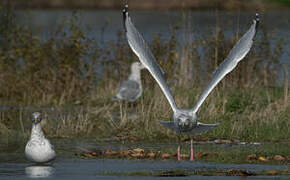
(272, 172)
(205, 155)
(165, 156)
(279, 158)
(262, 159)
(224, 141)
(172, 174)
(138, 150)
(265, 159)
(150, 155)
(129, 153)
(110, 152)
(90, 154)
(240, 172)
(225, 172)
(252, 157)
(137, 153)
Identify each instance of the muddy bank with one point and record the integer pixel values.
(149, 4)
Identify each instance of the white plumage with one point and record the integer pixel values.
(185, 120)
(38, 149)
(131, 89)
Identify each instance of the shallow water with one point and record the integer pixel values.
(104, 25)
(13, 164)
(94, 169)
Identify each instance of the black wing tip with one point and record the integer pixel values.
(125, 13)
(257, 19)
(125, 10)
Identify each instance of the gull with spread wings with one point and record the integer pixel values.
(185, 120)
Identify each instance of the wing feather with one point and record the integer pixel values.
(141, 49)
(238, 52)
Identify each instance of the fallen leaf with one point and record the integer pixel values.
(272, 172)
(124, 153)
(252, 157)
(86, 154)
(262, 159)
(241, 172)
(138, 150)
(199, 155)
(203, 155)
(96, 152)
(110, 152)
(223, 141)
(279, 158)
(150, 155)
(93, 153)
(165, 156)
(137, 155)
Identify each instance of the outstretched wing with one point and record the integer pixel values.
(239, 51)
(169, 125)
(201, 128)
(141, 49)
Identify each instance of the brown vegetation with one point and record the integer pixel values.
(150, 4)
(60, 71)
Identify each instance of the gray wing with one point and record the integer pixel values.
(129, 90)
(201, 128)
(239, 51)
(169, 125)
(141, 49)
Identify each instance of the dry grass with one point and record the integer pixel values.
(156, 4)
(57, 72)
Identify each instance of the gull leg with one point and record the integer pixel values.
(121, 114)
(178, 149)
(191, 150)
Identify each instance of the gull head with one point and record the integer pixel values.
(36, 117)
(186, 121)
(137, 66)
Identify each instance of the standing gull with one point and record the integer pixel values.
(131, 89)
(38, 149)
(185, 120)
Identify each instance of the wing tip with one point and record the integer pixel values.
(125, 14)
(257, 20)
(217, 124)
(125, 10)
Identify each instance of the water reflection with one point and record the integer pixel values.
(39, 171)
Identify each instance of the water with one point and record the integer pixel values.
(104, 25)
(13, 164)
(94, 169)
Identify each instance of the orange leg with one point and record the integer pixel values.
(191, 150)
(178, 150)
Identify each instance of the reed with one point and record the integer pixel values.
(61, 72)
